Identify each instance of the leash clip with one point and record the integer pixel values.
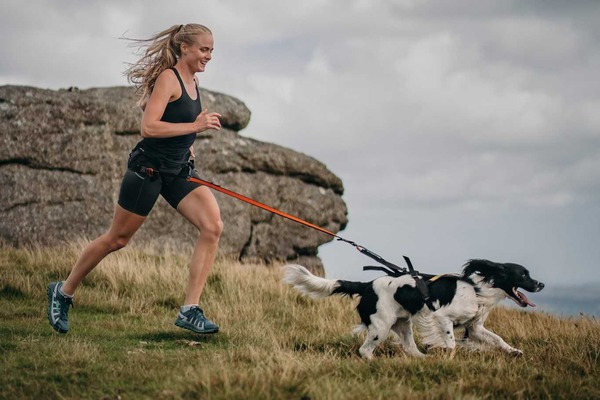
(148, 171)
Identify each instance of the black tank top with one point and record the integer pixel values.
(174, 151)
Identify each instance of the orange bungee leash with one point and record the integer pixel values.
(394, 270)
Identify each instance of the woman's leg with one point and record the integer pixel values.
(201, 209)
(123, 227)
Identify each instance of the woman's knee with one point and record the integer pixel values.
(213, 230)
(116, 242)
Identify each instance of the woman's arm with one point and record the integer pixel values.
(166, 88)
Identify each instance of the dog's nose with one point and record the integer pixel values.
(540, 286)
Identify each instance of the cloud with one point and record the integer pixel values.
(440, 117)
(449, 124)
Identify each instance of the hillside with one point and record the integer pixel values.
(273, 343)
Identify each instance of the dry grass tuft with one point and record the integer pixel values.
(274, 343)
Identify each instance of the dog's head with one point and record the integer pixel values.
(507, 277)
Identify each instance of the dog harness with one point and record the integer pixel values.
(416, 275)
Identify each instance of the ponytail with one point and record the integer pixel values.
(162, 51)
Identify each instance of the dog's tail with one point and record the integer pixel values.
(318, 287)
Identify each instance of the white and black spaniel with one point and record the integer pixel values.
(393, 304)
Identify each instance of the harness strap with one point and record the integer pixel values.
(387, 271)
(421, 285)
(153, 172)
(377, 257)
(435, 278)
(157, 169)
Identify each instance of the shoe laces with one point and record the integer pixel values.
(197, 310)
(64, 304)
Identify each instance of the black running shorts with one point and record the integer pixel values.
(139, 192)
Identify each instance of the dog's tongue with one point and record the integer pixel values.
(524, 299)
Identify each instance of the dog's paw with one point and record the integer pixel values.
(515, 353)
(416, 354)
(366, 354)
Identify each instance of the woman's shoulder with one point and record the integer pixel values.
(167, 79)
(166, 86)
(167, 75)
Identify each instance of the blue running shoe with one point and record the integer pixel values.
(195, 321)
(58, 308)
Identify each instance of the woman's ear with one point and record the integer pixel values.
(184, 48)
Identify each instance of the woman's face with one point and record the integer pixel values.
(199, 53)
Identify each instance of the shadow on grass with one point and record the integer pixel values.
(344, 347)
(10, 292)
(184, 338)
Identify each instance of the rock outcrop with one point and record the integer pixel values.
(63, 154)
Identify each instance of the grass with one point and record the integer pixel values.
(273, 343)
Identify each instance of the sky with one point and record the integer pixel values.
(461, 129)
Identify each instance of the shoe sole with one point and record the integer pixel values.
(56, 328)
(192, 328)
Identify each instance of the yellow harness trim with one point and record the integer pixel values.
(435, 278)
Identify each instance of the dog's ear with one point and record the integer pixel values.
(496, 271)
(488, 269)
(500, 272)
(479, 266)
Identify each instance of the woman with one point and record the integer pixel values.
(158, 164)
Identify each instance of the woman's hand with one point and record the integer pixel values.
(206, 120)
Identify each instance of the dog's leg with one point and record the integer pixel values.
(377, 332)
(403, 328)
(374, 337)
(435, 329)
(446, 328)
(479, 333)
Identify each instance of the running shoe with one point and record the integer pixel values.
(58, 308)
(195, 321)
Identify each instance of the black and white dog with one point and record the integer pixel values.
(393, 303)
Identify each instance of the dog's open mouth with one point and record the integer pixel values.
(520, 298)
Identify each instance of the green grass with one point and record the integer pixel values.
(273, 343)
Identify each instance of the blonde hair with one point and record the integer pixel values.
(162, 51)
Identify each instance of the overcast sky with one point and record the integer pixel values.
(461, 129)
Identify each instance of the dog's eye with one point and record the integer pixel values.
(524, 274)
